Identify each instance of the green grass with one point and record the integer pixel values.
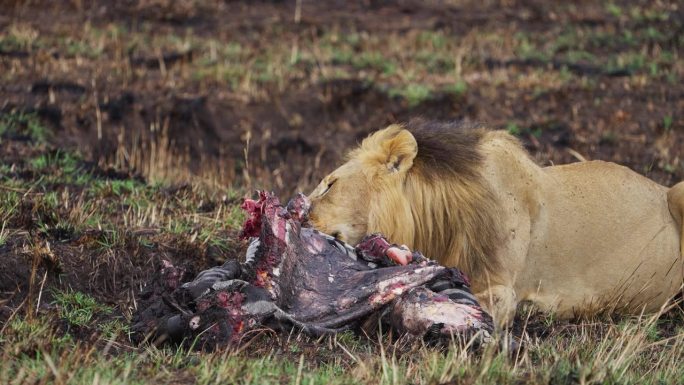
(623, 48)
(630, 352)
(9, 200)
(26, 124)
(79, 48)
(114, 329)
(4, 233)
(412, 64)
(513, 128)
(459, 88)
(77, 308)
(613, 9)
(414, 94)
(270, 369)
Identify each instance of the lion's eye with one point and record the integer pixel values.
(330, 184)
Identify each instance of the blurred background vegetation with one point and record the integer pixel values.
(276, 91)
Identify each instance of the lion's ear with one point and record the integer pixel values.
(400, 151)
(392, 149)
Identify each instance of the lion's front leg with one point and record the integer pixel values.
(500, 302)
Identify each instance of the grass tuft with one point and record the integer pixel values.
(77, 308)
(21, 124)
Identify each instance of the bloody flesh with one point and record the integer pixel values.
(298, 276)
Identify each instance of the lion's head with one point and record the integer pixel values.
(341, 203)
(419, 184)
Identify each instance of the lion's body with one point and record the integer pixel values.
(571, 239)
(584, 236)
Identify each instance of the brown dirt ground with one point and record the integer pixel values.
(300, 129)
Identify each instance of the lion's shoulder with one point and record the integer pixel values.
(501, 142)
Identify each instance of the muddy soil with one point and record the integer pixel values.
(100, 103)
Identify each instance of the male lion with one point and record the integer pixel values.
(572, 239)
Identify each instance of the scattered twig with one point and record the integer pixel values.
(40, 292)
(52, 366)
(576, 154)
(13, 189)
(9, 319)
(298, 379)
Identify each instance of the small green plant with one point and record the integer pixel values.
(109, 239)
(549, 319)
(4, 170)
(513, 128)
(78, 308)
(667, 122)
(636, 61)
(9, 200)
(117, 188)
(235, 216)
(653, 69)
(28, 334)
(417, 93)
(526, 48)
(68, 162)
(536, 132)
(341, 56)
(672, 77)
(564, 74)
(180, 227)
(580, 56)
(41, 162)
(436, 39)
(609, 137)
(458, 88)
(375, 61)
(51, 200)
(65, 162)
(114, 328)
(294, 347)
(10, 43)
(232, 50)
(26, 124)
(61, 231)
(413, 93)
(120, 187)
(653, 34)
(349, 339)
(652, 332)
(82, 48)
(629, 38)
(614, 9)
(4, 233)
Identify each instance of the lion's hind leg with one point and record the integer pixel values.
(675, 200)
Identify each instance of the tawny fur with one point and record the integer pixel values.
(572, 239)
(675, 199)
(433, 198)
